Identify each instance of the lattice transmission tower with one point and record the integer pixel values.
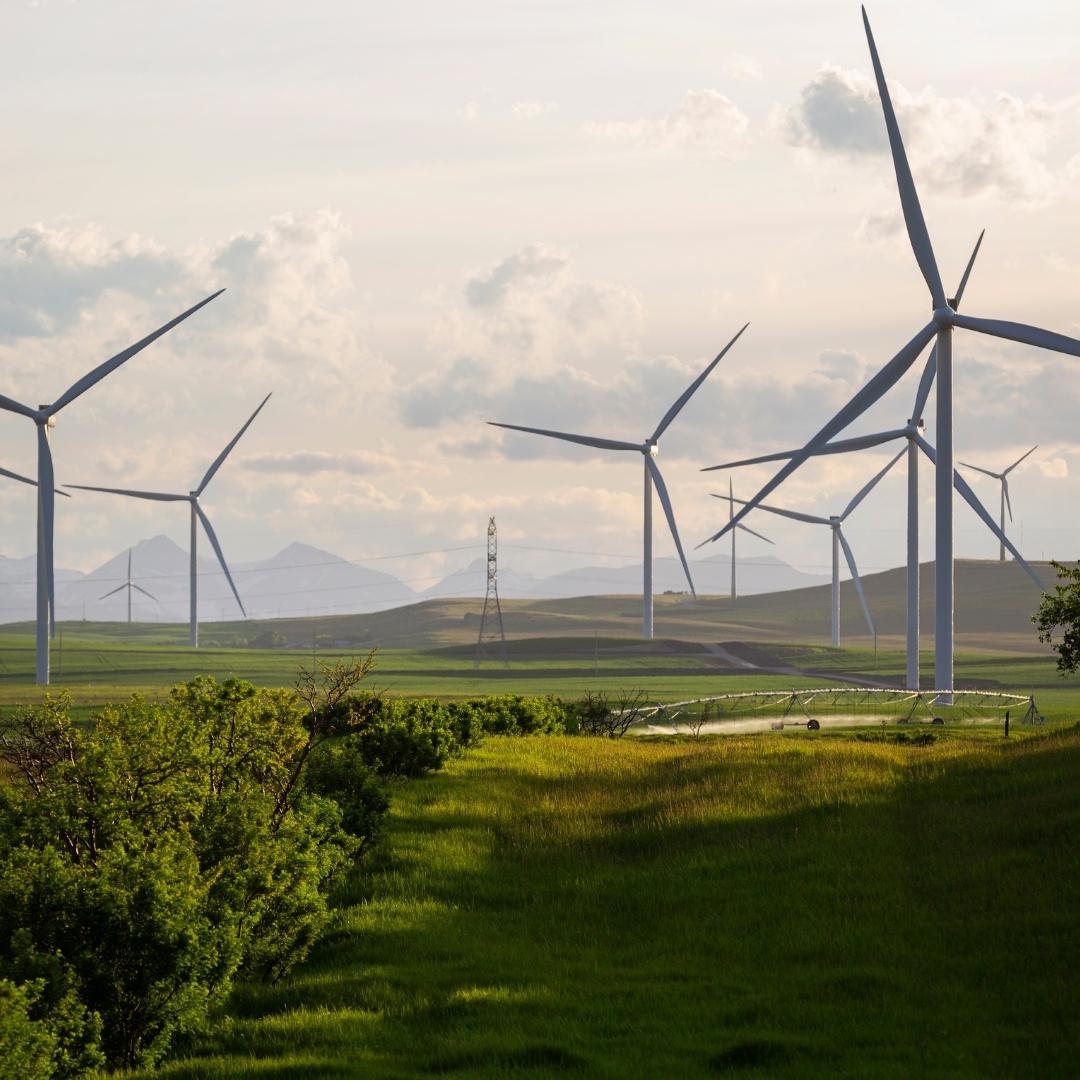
(492, 636)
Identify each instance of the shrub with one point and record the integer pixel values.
(27, 1044)
(405, 737)
(145, 865)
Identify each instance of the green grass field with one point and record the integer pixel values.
(783, 906)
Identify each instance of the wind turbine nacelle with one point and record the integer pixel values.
(651, 449)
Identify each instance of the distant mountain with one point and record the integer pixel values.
(303, 580)
(298, 580)
(712, 577)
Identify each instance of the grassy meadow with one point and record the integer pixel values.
(784, 905)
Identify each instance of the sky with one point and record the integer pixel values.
(427, 216)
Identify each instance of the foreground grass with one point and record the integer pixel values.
(779, 905)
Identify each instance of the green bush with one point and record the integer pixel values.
(146, 865)
(507, 714)
(405, 737)
(27, 1046)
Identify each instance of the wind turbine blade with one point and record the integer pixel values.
(746, 528)
(795, 515)
(139, 588)
(15, 476)
(1008, 501)
(111, 592)
(109, 366)
(17, 407)
(692, 388)
(967, 270)
(849, 555)
(212, 537)
(927, 380)
(1013, 331)
(985, 472)
(665, 502)
(46, 493)
(158, 496)
(867, 488)
(841, 446)
(228, 449)
(909, 198)
(876, 388)
(963, 489)
(1019, 459)
(584, 440)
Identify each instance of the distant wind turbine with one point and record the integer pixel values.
(835, 522)
(1002, 477)
(197, 515)
(943, 319)
(131, 587)
(648, 450)
(43, 416)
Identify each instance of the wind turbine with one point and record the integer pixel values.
(745, 528)
(944, 318)
(912, 431)
(131, 587)
(44, 417)
(835, 522)
(197, 515)
(1005, 500)
(648, 450)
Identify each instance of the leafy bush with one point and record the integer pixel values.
(27, 1044)
(507, 714)
(143, 867)
(405, 737)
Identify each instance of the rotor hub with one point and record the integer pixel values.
(651, 449)
(943, 317)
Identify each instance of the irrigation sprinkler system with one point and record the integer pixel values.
(875, 703)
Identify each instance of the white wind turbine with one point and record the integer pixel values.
(1003, 478)
(745, 528)
(835, 522)
(197, 515)
(944, 318)
(648, 450)
(912, 432)
(131, 587)
(43, 416)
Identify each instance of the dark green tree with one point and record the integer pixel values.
(1058, 618)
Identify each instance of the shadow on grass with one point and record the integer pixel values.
(861, 908)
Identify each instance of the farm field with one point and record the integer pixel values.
(785, 905)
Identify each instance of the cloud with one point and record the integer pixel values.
(705, 121)
(311, 462)
(737, 405)
(1056, 468)
(743, 68)
(70, 297)
(531, 310)
(530, 110)
(533, 264)
(956, 144)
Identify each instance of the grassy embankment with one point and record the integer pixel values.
(791, 906)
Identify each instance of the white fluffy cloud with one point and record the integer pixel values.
(970, 147)
(705, 121)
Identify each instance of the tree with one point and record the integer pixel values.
(1059, 614)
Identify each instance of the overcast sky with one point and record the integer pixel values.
(429, 215)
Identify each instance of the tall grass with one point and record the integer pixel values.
(771, 906)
